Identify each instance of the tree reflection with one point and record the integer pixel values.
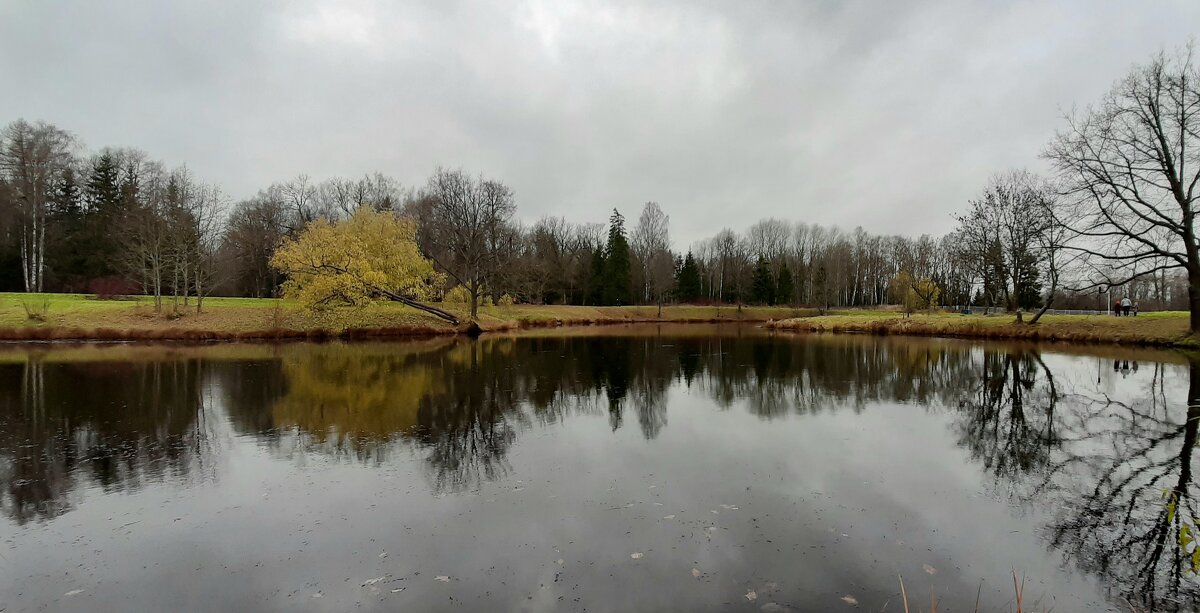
(1094, 448)
(1120, 464)
(1009, 414)
(114, 425)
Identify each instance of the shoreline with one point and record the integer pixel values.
(1162, 330)
(75, 318)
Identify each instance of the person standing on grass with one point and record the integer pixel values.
(1135, 309)
(1126, 305)
(1117, 307)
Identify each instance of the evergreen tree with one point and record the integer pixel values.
(595, 282)
(618, 266)
(785, 287)
(687, 280)
(67, 244)
(762, 284)
(68, 196)
(103, 186)
(103, 197)
(131, 186)
(1029, 294)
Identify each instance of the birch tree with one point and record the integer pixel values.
(32, 158)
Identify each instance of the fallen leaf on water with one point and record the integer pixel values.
(559, 561)
(398, 590)
(850, 600)
(929, 569)
(637, 555)
(696, 573)
(751, 595)
(668, 517)
(373, 581)
(318, 595)
(383, 555)
(73, 592)
(442, 578)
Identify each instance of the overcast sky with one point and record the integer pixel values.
(885, 114)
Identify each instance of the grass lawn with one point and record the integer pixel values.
(83, 317)
(78, 316)
(1168, 328)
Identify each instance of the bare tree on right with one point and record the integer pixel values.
(1130, 167)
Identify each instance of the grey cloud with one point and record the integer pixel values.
(887, 115)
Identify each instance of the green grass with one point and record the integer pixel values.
(78, 316)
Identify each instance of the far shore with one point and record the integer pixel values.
(79, 317)
(82, 318)
(1148, 329)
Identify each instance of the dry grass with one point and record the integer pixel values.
(1018, 601)
(1168, 329)
(81, 317)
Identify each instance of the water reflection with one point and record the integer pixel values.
(1103, 452)
(113, 425)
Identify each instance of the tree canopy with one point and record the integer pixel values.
(366, 257)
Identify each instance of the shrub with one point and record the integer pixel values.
(458, 295)
(506, 300)
(36, 311)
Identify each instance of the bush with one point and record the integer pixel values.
(36, 311)
(110, 288)
(506, 301)
(458, 295)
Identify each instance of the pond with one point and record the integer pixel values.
(611, 469)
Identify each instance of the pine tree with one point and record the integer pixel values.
(67, 245)
(687, 281)
(1029, 294)
(103, 214)
(595, 282)
(618, 266)
(762, 284)
(103, 186)
(785, 288)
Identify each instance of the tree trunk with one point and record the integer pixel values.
(1193, 300)
(420, 306)
(199, 289)
(1049, 299)
(474, 300)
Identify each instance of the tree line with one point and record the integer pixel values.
(1116, 216)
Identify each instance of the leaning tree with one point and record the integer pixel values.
(1131, 167)
(368, 257)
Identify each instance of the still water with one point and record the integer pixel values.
(616, 469)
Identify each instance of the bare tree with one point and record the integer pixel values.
(466, 218)
(254, 230)
(651, 246)
(146, 232)
(300, 198)
(1002, 236)
(1131, 167)
(32, 157)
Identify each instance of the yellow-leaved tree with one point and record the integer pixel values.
(367, 257)
(915, 293)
